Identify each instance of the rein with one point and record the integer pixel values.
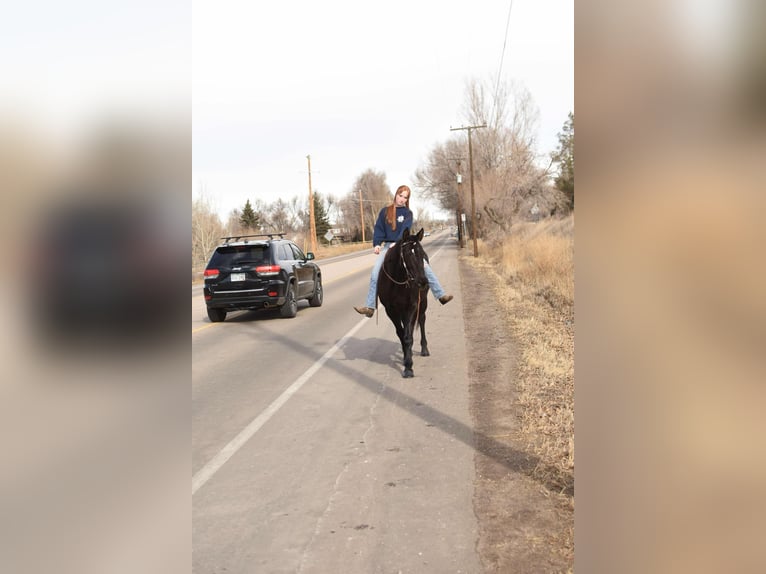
(405, 282)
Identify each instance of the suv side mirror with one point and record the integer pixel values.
(309, 256)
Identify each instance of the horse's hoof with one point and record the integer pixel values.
(408, 373)
(424, 353)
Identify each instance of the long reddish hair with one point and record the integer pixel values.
(391, 211)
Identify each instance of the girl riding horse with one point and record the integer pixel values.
(392, 221)
(402, 289)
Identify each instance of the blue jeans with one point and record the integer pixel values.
(433, 282)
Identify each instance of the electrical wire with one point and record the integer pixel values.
(502, 57)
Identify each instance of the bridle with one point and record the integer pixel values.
(408, 274)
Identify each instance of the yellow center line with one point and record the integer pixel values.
(349, 274)
(198, 329)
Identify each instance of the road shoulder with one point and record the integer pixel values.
(521, 525)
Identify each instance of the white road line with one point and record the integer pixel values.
(207, 471)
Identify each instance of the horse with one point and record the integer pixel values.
(402, 289)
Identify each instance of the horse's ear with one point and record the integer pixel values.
(406, 233)
(420, 234)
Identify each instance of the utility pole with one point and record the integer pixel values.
(361, 213)
(459, 207)
(473, 200)
(312, 223)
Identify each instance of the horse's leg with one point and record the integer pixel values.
(423, 342)
(409, 327)
(401, 333)
(398, 325)
(407, 350)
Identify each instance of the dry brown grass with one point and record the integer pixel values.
(534, 272)
(539, 259)
(522, 311)
(327, 251)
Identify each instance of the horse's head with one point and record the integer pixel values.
(413, 257)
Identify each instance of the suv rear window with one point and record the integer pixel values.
(236, 255)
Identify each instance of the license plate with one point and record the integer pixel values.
(237, 276)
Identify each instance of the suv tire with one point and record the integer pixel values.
(216, 315)
(290, 308)
(318, 296)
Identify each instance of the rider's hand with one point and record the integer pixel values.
(376, 249)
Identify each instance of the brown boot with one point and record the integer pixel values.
(444, 299)
(368, 311)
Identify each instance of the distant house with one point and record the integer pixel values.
(340, 235)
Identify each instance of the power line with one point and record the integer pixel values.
(502, 57)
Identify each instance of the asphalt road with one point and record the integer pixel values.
(311, 453)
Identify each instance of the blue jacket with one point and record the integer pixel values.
(383, 232)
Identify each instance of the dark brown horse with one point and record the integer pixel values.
(402, 289)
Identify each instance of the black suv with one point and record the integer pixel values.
(260, 272)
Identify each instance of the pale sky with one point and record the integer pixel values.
(68, 66)
(357, 86)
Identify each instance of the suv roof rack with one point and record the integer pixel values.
(231, 238)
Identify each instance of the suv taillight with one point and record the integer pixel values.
(267, 269)
(212, 273)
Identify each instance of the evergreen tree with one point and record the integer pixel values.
(321, 220)
(249, 218)
(564, 156)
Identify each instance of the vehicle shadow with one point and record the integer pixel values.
(259, 314)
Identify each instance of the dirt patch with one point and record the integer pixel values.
(524, 498)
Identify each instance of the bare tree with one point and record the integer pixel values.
(277, 217)
(234, 223)
(371, 189)
(422, 218)
(206, 230)
(511, 125)
(507, 173)
(437, 180)
(297, 212)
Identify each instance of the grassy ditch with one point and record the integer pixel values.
(533, 271)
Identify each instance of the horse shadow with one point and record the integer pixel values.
(387, 351)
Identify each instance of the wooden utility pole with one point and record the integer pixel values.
(312, 223)
(459, 207)
(473, 200)
(361, 213)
